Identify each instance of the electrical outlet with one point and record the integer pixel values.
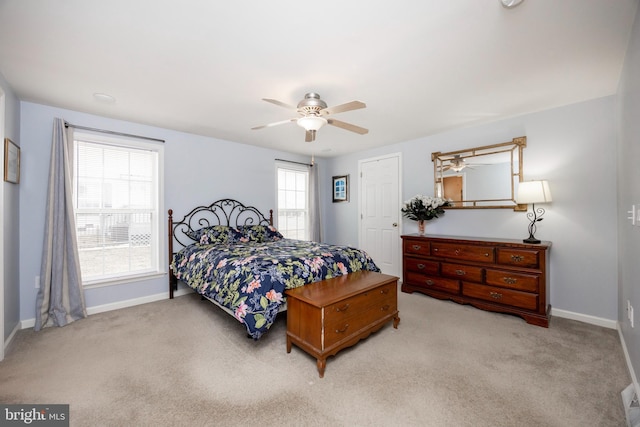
(37, 282)
(632, 214)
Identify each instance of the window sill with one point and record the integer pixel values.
(113, 281)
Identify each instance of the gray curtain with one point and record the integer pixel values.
(315, 231)
(60, 298)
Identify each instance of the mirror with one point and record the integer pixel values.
(482, 177)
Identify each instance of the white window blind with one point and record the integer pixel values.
(293, 201)
(116, 189)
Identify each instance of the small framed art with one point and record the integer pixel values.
(341, 188)
(11, 161)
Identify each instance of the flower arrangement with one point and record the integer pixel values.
(424, 208)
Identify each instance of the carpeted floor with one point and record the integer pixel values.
(184, 362)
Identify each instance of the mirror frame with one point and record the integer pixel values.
(516, 145)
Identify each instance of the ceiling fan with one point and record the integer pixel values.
(313, 112)
(456, 164)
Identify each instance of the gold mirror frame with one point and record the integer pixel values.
(499, 164)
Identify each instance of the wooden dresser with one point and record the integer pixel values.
(506, 276)
(328, 316)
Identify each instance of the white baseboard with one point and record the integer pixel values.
(10, 337)
(30, 323)
(593, 320)
(627, 358)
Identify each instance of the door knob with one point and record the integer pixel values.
(395, 224)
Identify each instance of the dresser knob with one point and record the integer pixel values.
(430, 282)
(495, 295)
(516, 258)
(435, 249)
(460, 272)
(509, 280)
(385, 307)
(343, 330)
(421, 266)
(343, 308)
(457, 251)
(384, 291)
(487, 254)
(416, 247)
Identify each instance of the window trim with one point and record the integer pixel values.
(299, 168)
(127, 142)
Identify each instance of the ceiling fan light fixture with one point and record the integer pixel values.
(511, 3)
(311, 123)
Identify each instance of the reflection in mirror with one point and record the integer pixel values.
(480, 178)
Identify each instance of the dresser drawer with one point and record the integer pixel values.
(462, 272)
(509, 279)
(433, 282)
(519, 257)
(416, 247)
(508, 297)
(349, 307)
(421, 266)
(463, 252)
(338, 329)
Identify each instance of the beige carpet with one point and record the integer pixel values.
(184, 362)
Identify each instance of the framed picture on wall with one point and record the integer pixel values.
(341, 188)
(11, 161)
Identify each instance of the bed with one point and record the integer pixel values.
(232, 255)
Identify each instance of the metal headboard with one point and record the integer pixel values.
(221, 212)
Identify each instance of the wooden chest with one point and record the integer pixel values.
(498, 275)
(328, 316)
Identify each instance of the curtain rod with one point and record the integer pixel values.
(67, 124)
(297, 163)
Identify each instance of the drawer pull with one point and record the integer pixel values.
(385, 307)
(430, 282)
(421, 266)
(417, 247)
(343, 308)
(516, 258)
(457, 251)
(343, 330)
(461, 272)
(495, 295)
(384, 291)
(487, 254)
(510, 280)
(435, 249)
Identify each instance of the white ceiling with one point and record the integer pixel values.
(421, 66)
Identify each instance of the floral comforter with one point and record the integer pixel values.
(250, 278)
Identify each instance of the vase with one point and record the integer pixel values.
(421, 224)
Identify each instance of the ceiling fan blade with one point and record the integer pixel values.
(347, 126)
(310, 136)
(279, 103)
(275, 124)
(353, 105)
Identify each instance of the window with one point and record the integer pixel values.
(293, 201)
(116, 201)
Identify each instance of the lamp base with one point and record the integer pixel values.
(531, 240)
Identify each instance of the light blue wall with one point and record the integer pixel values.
(197, 171)
(11, 218)
(574, 147)
(629, 194)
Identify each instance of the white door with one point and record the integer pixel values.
(380, 211)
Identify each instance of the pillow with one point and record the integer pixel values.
(259, 233)
(215, 234)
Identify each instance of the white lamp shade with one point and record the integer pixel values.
(533, 192)
(311, 122)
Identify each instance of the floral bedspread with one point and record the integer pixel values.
(250, 278)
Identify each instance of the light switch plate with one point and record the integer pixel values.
(632, 214)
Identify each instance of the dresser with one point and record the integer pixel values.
(327, 316)
(506, 276)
